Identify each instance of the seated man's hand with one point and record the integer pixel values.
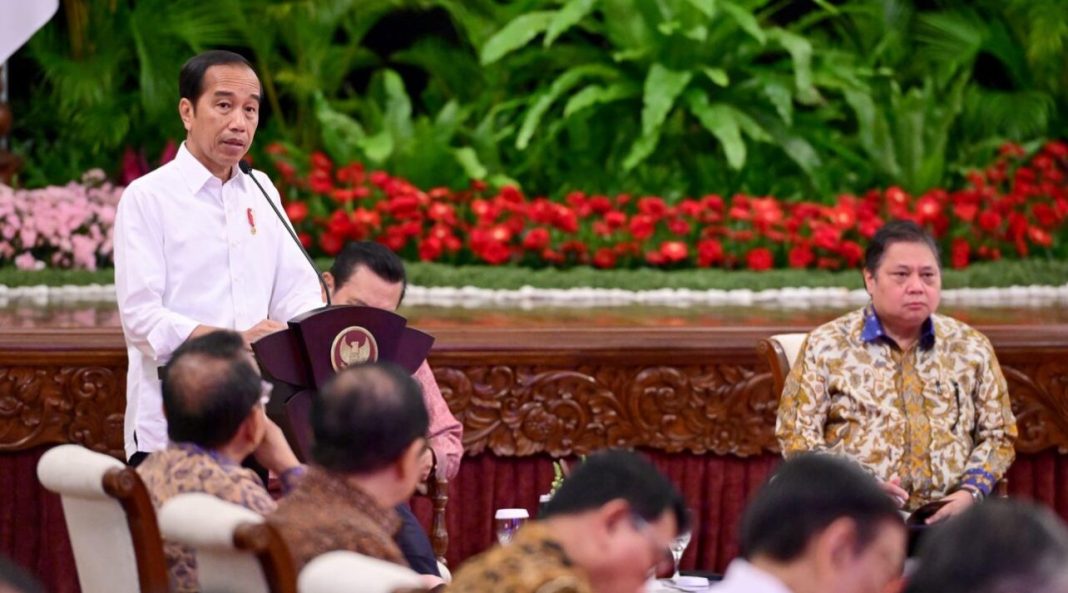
(893, 489)
(426, 469)
(274, 452)
(956, 503)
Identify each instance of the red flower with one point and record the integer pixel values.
(340, 225)
(297, 212)
(511, 194)
(826, 237)
(330, 243)
(679, 227)
(352, 174)
(959, 253)
(536, 239)
(305, 240)
(709, 251)
(652, 206)
(319, 181)
(674, 251)
(759, 259)
(604, 258)
(1039, 236)
(615, 220)
(966, 212)
(801, 256)
(430, 249)
(989, 221)
(851, 252)
(1045, 215)
(320, 161)
(600, 204)
(641, 226)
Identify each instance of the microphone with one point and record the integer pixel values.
(247, 170)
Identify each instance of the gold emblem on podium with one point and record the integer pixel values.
(353, 345)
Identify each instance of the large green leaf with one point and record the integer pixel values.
(722, 121)
(341, 134)
(745, 20)
(596, 94)
(800, 50)
(662, 87)
(567, 17)
(515, 35)
(563, 83)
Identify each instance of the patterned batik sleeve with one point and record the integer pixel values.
(803, 405)
(995, 426)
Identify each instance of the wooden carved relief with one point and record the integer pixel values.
(1040, 402)
(45, 404)
(522, 410)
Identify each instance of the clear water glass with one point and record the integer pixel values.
(678, 547)
(508, 521)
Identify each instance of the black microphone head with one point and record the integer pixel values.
(245, 167)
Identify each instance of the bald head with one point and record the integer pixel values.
(209, 388)
(366, 417)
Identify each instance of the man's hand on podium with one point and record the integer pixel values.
(263, 328)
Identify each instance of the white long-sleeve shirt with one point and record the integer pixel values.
(191, 250)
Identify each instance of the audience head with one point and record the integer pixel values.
(827, 515)
(369, 419)
(369, 274)
(220, 108)
(628, 513)
(902, 274)
(999, 546)
(211, 391)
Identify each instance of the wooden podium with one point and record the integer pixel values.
(318, 344)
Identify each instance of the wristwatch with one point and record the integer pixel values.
(977, 495)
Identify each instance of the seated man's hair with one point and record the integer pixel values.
(366, 417)
(897, 231)
(374, 256)
(999, 546)
(616, 474)
(803, 497)
(209, 389)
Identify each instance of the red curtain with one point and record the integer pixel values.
(32, 530)
(33, 533)
(716, 489)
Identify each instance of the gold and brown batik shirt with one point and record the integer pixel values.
(184, 467)
(531, 563)
(937, 415)
(326, 513)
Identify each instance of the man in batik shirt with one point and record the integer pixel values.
(369, 425)
(915, 397)
(606, 530)
(214, 398)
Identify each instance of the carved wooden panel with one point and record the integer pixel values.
(62, 404)
(527, 409)
(520, 392)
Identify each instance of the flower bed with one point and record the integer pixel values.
(66, 226)
(1017, 207)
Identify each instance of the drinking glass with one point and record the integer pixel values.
(508, 522)
(678, 546)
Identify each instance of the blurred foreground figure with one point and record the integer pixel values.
(819, 525)
(606, 529)
(998, 547)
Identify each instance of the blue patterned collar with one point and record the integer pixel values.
(873, 329)
(219, 458)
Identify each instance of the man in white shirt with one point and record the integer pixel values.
(197, 247)
(819, 525)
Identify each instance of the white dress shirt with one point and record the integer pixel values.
(191, 250)
(743, 577)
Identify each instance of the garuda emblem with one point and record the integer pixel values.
(353, 345)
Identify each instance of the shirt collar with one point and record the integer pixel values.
(196, 449)
(195, 174)
(872, 329)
